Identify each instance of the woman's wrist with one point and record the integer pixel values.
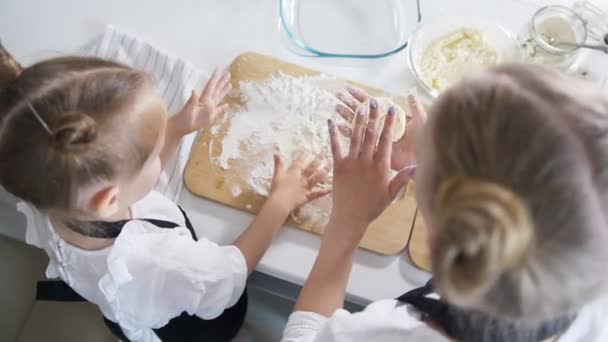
(344, 233)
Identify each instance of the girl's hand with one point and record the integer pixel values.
(363, 185)
(403, 150)
(200, 111)
(296, 186)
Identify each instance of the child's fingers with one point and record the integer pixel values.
(371, 134)
(211, 84)
(318, 176)
(189, 106)
(278, 164)
(222, 93)
(345, 112)
(223, 87)
(358, 93)
(385, 144)
(299, 160)
(348, 100)
(312, 166)
(357, 137)
(334, 142)
(222, 108)
(314, 194)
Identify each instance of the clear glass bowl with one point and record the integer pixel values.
(503, 41)
(347, 28)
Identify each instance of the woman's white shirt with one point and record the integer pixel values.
(149, 275)
(390, 321)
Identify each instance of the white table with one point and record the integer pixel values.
(213, 32)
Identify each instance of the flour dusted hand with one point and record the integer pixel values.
(405, 127)
(297, 185)
(200, 111)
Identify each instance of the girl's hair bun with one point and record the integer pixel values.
(9, 68)
(74, 130)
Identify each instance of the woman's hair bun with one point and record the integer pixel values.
(483, 230)
(74, 130)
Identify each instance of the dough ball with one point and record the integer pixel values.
(384, 103)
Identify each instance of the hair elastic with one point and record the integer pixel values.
(39, 118)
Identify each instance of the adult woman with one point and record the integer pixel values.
(512, 180)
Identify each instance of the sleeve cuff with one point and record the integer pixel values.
(303, 326)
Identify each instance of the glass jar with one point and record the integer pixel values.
(549, 25)
(595, 19)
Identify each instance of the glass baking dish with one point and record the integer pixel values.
(348, 28)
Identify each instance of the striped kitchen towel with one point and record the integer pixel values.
(175, 78)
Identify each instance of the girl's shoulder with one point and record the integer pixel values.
(156, 206)
(38, 230)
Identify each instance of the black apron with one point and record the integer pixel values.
(183, 328)
(474, 326)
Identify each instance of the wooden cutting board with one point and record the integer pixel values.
(418, 246)
(387, 235)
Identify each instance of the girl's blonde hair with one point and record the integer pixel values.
(63, 125)
(520, 173)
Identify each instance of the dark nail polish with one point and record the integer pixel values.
(391, 111)
(330, 124)
(374, 104)
(412, 171)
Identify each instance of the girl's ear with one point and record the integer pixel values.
(104, 202)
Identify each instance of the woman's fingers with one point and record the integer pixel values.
(358, 131)
(334, 142)
(418, 113)
(358, 93)
(345, 130)
(385, 145)
(345, 112)
(371, 133)
(349, 101)
(400, 180)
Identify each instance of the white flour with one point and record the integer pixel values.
(285, 113)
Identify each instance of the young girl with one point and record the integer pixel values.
(512, 181)
(82, 142)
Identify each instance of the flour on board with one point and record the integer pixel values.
(285, 114)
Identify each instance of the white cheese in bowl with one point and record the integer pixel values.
(449, 58)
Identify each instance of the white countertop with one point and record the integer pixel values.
(213, 32)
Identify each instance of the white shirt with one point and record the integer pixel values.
(387, 321)
(149, 275)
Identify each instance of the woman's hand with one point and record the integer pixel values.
(297, 185)
(363, 185)
(402, 150)
(200, 111)
(362, 189)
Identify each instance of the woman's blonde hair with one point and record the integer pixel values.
(520, 177)
(63, 125)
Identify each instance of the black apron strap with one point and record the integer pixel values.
(59, 291)
(476, 326)
(56, 291)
